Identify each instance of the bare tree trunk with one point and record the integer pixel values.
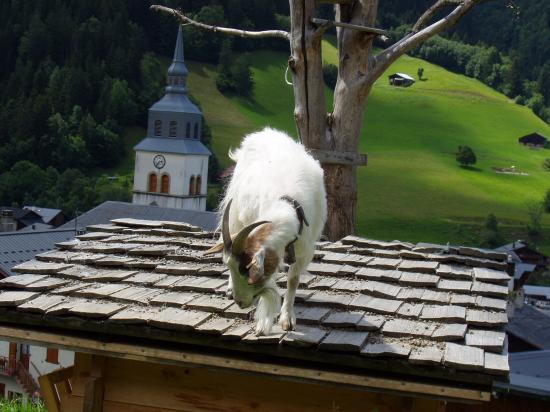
(350, 95)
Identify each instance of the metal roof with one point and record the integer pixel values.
(404, 75)
(177, 68)
(45, 213)
(18, 247)
(531, 325)
(175, 102)
(177, 146)
(114, 210)
(537, 291)
(529, 373)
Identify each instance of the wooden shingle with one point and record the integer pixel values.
(404, 327)
(343, 319)
(426, 356)
(491, 275)
(489, 289)
(329, 299)
(462, 286)
(370, 322)
(96, 309)
(418, 279)
(410, 310)
(20, 281)
(496, 364)
(41, 303)
(377, 305)
(463, 357)
(486, 339)
(35, 266)
(15, 298)
(389, 349)
(486, 318)
(215, 325)
(450, 332)
(345, 341)
(384, 263)
(378, 274)
(134, 315)
(210, 303)
(454, 271)
(304, 336)
(176, 299)
(172, 318)
(447, 313)
(418, 266)
(310, 314)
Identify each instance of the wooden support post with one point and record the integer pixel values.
(95, 387)
(49, 394)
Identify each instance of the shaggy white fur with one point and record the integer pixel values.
(270, 164)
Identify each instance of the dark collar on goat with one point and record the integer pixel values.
(290, 256)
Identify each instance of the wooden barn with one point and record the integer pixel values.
(534, 140)
(382, 326)
(401, 79)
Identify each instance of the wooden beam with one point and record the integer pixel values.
(49, 394)
(339, 158)
(95, 387)
(184, 357)
(329, 23)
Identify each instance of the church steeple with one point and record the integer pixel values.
(177, 72)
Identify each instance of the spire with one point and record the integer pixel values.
(177, 72)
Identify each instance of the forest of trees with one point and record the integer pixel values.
(75, 74)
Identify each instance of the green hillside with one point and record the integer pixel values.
(412, 188)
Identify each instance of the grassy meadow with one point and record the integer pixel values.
(412, 188)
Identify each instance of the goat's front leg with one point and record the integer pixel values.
(287, 319)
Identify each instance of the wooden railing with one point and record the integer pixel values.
(26, 380)
(7, 368)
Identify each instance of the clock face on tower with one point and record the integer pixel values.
(159, 161)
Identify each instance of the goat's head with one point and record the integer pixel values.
(249, 260)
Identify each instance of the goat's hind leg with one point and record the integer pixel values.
(287, 318)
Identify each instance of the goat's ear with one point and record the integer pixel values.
(256, 269)
(214, 249)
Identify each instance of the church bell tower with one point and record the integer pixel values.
(171, 162)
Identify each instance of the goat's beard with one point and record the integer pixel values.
(269, 306)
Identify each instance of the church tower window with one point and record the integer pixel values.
(192, 186)
(165, 184)
(196, 131)
(173, 128)
(198, 185)
(152, 182)
(158, 128)
(188, 130)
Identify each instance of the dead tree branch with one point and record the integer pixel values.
(385, 58)
(428, 14)
(224, 30)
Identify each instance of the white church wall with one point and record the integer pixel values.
(179, 168)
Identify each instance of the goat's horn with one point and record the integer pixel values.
(225, 228)
(240, 239)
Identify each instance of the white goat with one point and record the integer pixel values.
(274, 205)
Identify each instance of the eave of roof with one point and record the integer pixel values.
(172, 145)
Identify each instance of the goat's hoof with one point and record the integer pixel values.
(262, 329)
(287, 321)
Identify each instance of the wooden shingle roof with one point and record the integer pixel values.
(424, 309)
